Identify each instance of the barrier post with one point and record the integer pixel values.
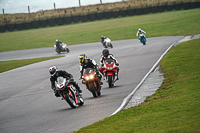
(54, 6)
(79, 2)
(28, 9)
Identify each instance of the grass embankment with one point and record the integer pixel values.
(84, 10)
(184, 22)
(9, 65)
(174, 108)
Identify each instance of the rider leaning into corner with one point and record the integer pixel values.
(55, 73)
(88, 63)
(58, 46)
(106, 56)
(140, 31)
(102, 39)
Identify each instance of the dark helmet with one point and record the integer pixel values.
(102, 37)
(105, 52)
(52, 70)
(82, 57)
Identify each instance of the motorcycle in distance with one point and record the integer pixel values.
(63, 48)
(92, 82)
(142, 38)
(109, 70)
(107, 43)
(68, 92)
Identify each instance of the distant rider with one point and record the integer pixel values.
(106, 56)
(102, 40)
(58, 46)
(140, 31)
(61, 73)
(88, 63)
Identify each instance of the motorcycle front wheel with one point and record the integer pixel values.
(93, 90)
(70, 100)
(67, 50)
(110, 81)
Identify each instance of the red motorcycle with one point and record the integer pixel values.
(110, 71)
(92, 82)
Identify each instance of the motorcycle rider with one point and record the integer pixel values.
(140, 31)
(58, 46)
(105, 56)
(102, 40)
(55, 73)
(88, 63)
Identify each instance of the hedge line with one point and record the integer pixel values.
(98, 16)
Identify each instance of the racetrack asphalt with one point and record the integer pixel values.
(27, 103)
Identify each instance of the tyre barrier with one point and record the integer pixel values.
(98, 16)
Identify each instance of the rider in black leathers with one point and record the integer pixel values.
(58, 46)
(88, 63)
(57, 73)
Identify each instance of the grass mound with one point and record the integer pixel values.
(174, 108)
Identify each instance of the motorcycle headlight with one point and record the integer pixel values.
(109, 68)
(87, 78)
(91, 76)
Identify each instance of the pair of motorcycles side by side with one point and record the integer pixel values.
(92, 80)
(63, 48)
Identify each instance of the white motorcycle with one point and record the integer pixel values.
(62, 48)
(107, 43)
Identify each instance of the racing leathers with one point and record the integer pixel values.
(64, 74)
(89, 63)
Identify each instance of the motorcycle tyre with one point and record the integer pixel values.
(111, 45)
(68, 99)
(67, 50)
(110, 81)
(93, 90)
(81, 101)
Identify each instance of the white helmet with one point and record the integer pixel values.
(52, 70)
(57, 40)
(139, 29)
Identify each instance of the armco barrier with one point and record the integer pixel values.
(43, 23)
(3, 28)
(84, 18)
(19, 26)
(67, 20)
(52, 22)
(92, 17)
(11, 27)
(123, 13)
(108, 15)
(35, 24)
(115, 14)
(60, 21)
(131, 12)
(98, 16)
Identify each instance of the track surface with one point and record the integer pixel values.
(27, 103)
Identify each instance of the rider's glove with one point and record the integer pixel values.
(117, 64)
(71, 80)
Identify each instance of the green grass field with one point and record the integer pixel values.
(184, 22)
(174, 108)
(9, 65)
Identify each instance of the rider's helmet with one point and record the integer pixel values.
(57, 40)
(139, 30)
(52, 70)
(82, 57)
(105, 52)
(102, 37)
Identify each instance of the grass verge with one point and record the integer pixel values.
(9, 65)
(184, 22)
(174, 108)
